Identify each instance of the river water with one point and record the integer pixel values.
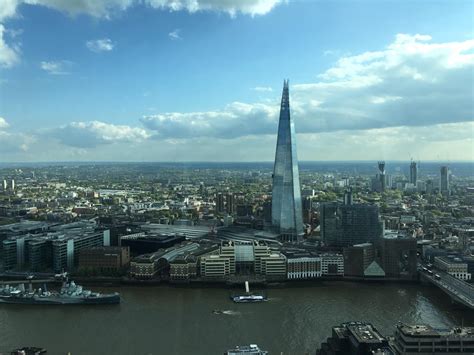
(170, 320)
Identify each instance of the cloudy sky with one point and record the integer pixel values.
(200, 80)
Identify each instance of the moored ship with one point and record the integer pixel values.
(248, 297)
(70, 293)
(29, 351)
(251, 349)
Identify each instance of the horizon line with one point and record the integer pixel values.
(227, 162)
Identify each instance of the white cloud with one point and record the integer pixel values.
(232, 7)
(100, 45)
(8, 53)
(411, 82)
(236, 120)
(174, 35)
(3, 123)
(94, 133)
(13, 142)
(262, 89)
(414, 97)
(60, 67)
(433, 142)
(108, 8)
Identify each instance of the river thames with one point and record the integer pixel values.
(171, 320)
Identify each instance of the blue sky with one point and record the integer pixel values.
(160, 80)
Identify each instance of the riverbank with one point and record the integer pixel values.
(205, 283)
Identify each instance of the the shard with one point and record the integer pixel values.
(287, 218)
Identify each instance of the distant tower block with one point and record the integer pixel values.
(381, 167)
(382, 178)
(444, 181)
(413, 173)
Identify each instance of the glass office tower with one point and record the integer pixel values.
(287, 218)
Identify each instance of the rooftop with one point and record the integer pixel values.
(426, 330)
(364, 332)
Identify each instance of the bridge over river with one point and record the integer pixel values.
(460, 291)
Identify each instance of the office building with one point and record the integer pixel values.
(144, 266)
(184, 267)
(58, 250)
(220, 208)
(380, 182)
(332, 265)
(273, 266)
(66, 249)
(346, 225)
(14, 253)
(104, 258)
(398, 256)
(145, 243)
(287, 218)
(39, 254)
(230, 203)
(454, 266)
(413, 173)
(444, 181)
(303, 267)
(215, 266)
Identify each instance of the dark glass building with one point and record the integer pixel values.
(413, 173)
(346, 225)
(444, 180)
(287, 218)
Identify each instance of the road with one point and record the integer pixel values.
(458, 290)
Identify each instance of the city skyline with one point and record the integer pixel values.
(199, 82)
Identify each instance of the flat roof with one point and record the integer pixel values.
(365, 333)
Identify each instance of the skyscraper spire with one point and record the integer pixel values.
(287, 218)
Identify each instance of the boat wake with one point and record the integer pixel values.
(226, 312)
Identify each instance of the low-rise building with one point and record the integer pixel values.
(184, 268)
(215, 266)
(274, 266)
(355, 338)
(454, 266)
(423, 339)
(144, 266)
(332, 265)
(304, 267)
(104, 258)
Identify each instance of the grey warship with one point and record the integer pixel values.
(69, 294)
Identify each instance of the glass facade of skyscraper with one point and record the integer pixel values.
(287, 216)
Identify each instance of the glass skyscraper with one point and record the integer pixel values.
(287, 218)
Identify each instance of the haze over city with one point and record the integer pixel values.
(124, 80)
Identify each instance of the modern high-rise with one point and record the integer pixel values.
(220, 203)
(346, 225)
(413, 173)
(444, 180)
(230, 203)
(287, 217)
